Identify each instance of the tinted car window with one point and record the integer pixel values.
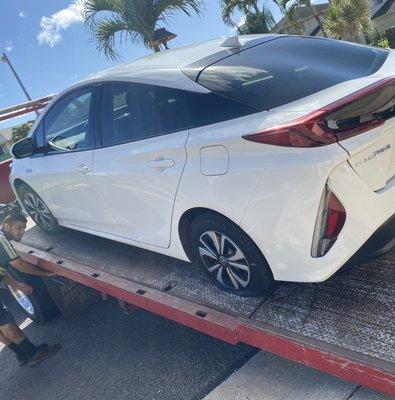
(170, 115)
(127, 112)
(66, 126)
(210, 108)
(289, 68)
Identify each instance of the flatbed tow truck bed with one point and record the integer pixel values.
(344, 326)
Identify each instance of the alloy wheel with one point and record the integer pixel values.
(38, 210)
(224, 260)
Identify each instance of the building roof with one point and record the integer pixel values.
(301, 14)
(383, 9)
(5, 135)
(315, 31)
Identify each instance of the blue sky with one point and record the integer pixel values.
(50, 47)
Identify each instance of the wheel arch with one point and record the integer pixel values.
(185, 222)
(18, 183)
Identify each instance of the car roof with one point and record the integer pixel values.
(165, 67)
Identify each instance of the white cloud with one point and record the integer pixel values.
(8, 46)
(52, 26)
(22, 14)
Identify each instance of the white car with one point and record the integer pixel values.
(263, 157)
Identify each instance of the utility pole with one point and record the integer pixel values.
(4, 58)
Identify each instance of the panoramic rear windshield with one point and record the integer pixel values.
(289, 68)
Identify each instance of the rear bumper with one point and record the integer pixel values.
(282, 214)
(382, 241)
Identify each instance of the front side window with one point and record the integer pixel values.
(127, 112)
(67, 125)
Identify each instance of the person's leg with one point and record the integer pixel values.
(12, 335)
(12, 332)
(18, 342)
(20, 354)
(4, 340)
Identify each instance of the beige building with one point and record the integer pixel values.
(383, 14)
(383, 18)
(5, 142)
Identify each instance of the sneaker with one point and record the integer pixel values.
(25, 359)
(43, 353)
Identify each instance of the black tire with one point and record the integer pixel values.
(257, 280)
(43, 307)
(39, 210)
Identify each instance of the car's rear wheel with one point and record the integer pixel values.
(38, 210)
(229, 256)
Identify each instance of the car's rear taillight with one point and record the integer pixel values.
(330, 221)
(359, 112)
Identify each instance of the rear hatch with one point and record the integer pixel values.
(372, 146)
(344, 91)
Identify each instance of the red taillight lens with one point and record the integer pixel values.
(330, 221)
(335, 218)
(308, 131)
(359, 112)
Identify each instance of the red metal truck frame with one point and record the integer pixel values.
(360, 369)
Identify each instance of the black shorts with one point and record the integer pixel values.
(5, 316)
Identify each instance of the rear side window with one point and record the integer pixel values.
(210, 108)
(127, 113)
(289, 68)
(170, 115)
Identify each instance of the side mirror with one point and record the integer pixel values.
(24, 148)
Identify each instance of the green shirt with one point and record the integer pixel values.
(7, 254)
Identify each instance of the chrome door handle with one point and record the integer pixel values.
(162, 164)
(83, 169)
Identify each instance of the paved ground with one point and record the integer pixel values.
(107, 355)
(268, 377)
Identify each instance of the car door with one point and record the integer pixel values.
(139, 166)
(62, 173)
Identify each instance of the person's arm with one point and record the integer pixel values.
(23, 266)
(8, 256)
(23, 287)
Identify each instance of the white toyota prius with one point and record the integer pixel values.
(262, 157)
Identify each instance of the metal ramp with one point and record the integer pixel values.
(344, 326)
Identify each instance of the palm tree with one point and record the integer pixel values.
(256, 20)
(229, 7)
(348, 20)
(21, 131)
(133, 20)
(291, 7)
(262, 22)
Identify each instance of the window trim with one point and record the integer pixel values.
(99, 130)
(91, 124)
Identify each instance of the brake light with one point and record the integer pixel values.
(330, 221)
(357, 113)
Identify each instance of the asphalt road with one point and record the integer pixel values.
(108, 355)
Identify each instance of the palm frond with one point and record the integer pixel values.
(91, 8)
(105, 35)
(291, 12)
(137, 19)
(228, 8)
(348, 19)
(262, 22)
(164, 9)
